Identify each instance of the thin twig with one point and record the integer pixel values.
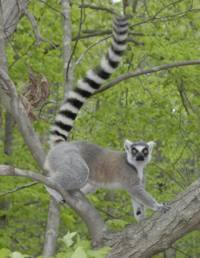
(97, 8)
(18, 188)
(35, 27)
(76, 42)
(154, 69)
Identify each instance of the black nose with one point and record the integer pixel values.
(140, 157)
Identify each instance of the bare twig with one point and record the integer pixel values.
(155, 19)
(18, 188)
(90, 47)
(34, 24)
(154, 69)
(51, 7)
(67, 38)
(95, 33)
(97, 8)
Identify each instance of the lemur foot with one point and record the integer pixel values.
(163, 207)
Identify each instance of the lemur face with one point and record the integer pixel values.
(138, 152)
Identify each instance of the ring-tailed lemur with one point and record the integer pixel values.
(80, 165)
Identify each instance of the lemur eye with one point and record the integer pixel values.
(145, 151)
(134, 151)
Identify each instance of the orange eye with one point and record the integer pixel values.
(134, 151)
(145, 151)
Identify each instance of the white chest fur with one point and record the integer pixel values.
(140, 171)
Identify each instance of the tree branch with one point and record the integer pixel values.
(18, 188)
(67, 51)
(12, 12)
(12, 103)
(97, 8)
(34, 25)
(154, 69)
(75, 200)
(162, 230)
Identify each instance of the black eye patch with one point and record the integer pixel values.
(134, 151)
(145, 151)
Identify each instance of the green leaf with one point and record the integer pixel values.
(68, 238)
(18, 255)
(79, 253)
(4, 253)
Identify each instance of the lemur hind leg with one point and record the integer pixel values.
(89, 188)
(68, 170)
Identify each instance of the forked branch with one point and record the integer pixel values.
(76, 200)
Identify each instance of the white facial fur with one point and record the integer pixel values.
(132, 159)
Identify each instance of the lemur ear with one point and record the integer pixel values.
(127, 145)
(151, 145)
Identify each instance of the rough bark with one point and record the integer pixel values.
(13, 105)
(3, 65)
(12, 11)
(159, 232)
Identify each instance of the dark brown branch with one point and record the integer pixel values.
(154, 69)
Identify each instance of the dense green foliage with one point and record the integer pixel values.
(163, 107)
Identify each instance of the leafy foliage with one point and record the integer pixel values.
(163, 107)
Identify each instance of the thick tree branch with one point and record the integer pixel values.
(146, 239)
(12, 12)
(159, 232)
(75, 200)
(154, 69)
(13, 105)
(8, 136)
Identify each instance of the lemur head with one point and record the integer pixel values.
(138, 153)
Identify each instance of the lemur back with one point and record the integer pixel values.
(104, 167)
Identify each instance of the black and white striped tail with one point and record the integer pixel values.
(91, 83)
